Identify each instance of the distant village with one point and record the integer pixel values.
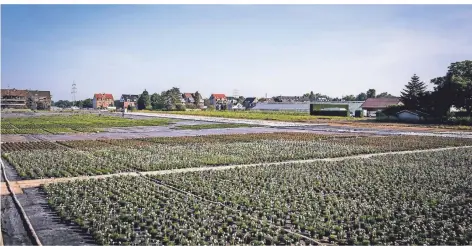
(42, 100)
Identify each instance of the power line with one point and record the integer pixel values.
(74, 91)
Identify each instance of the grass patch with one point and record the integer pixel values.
(212, 126)
(262, 115)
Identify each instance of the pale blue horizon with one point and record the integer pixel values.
(257, 49)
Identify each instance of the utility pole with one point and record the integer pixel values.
(73, 92)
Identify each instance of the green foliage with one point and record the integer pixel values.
(349, 98)
(392, 110)
(125, 155)
(180, 107)
(410, 96)
(197, 97)
(144, 100)
(385, 95)
(453, 89)
(71, 123)
(370, 93)
(361, 97)
(157, 101)
(155, 215)
(63, 104)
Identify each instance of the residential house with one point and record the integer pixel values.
(39, 99)
(102, 100)
(372, 105)
(235, 105)
(250, 102)
(218, 99)
(14, 99)
(188, 98)
(233, 100)
(129, 100)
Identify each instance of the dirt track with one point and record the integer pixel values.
(25, 184)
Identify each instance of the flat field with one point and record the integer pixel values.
(98, 157)
(421, 198)
(306, 118)
(255, 188)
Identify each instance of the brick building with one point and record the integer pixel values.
(102, 100)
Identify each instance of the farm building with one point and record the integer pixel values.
(102, 100)
(372, 105)
(408, 115)
(301, 107)
(352, 106)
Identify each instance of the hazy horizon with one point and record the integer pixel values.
(257, 49)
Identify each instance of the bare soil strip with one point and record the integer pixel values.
(23, 184)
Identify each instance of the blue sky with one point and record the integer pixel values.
(256, 49)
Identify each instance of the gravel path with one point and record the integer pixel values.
(24, 184)
(311, 126)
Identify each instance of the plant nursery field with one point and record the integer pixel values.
(262, 115)
(290, 116)
(98, 157)
(421, 198)
(54, 124)
(287, 187)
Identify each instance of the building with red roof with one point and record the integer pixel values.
(102, 100)
(376, 104)
(218, 99)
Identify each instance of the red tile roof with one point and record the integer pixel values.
(188, 95)
(218, 96)
(378, 103)
(103, 96)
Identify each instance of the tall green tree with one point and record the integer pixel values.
(459, 76)
(87, 103)
(312, 96)
(385, 95)
(144, 101)
(410, 96)
(349, 98)
(197, 98)
(157, 101)
(371, 93)
(361, 97)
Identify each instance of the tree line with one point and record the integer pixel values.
(370, 93)
(167, 100)
(451, 90)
